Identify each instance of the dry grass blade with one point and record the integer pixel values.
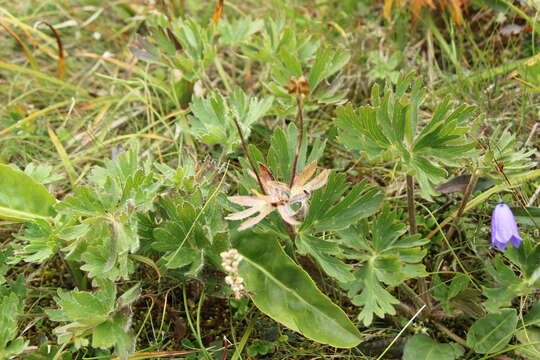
(28, 30)
(61, 61)
(41, 75)
(146, 260)
(148, 136)
(63, 156)
(34, 115)
(158, 354)
(25, 48)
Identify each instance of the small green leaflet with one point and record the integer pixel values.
(100, 314)
(493, 332)
(422, 347)
(390, 128)
(387, 257)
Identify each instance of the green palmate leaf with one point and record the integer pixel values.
(503, 151)
(384, 68)
(99, 314)
(327, 63)
(374, 298)
(213, 117)
(326, 253)
(41, 242)
(276, 37)
(42, 173)
(422, 347)
(455, 294)
(22, 198)
(338, 205)
(391, 128)
(237, 31)
(387, 257)
(112, 333)
(493, 332)
(189, 232)
(104, 232)
(285, 292)
(171, 35)
(335, 207)
(184, 257)
(87, 308)
(293, 53)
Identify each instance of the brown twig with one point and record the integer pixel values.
(466, 195)
(449, 333)
(424, 293)
(250, 160)
(410, 205)
(300, 118)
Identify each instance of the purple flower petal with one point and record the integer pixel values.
(516, 241)
(504, 227)
(500, 245)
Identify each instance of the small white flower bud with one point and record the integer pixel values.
(230, 261)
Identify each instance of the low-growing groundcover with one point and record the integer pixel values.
(270, 180)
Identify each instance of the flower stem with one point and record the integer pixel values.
(450, 334)
(466, 195)
(424, 292)
(250, 160)
(410, 205)
(300, 120)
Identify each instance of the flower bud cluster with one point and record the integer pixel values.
(230, 261)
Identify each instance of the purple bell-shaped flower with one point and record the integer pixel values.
(504, 228)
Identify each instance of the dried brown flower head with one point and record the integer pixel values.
(298, 86)
(279, 196)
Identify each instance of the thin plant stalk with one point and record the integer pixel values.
(450, 334)
(195, 328)
(250, 160)
(424, 293)
(300, 119)
(466, 196)
(401, 332)
(240, 347)
(300, 140)
(410, 205)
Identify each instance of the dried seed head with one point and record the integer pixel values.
(298, 86)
